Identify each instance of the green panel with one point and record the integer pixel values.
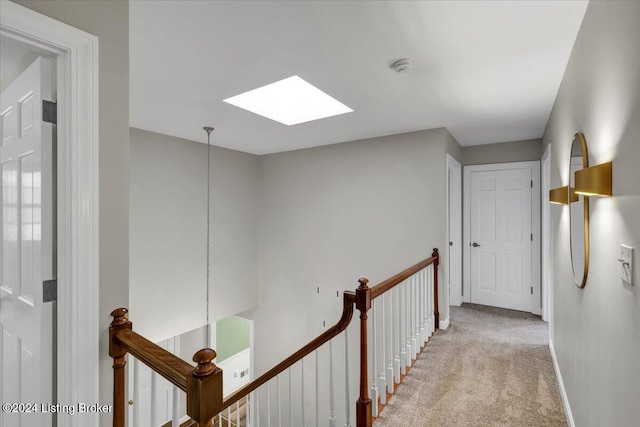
(232, 336)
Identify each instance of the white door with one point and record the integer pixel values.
(27, 245)
(501, 235)
(454, 209)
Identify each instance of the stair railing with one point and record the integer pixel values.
(408, 305)
(404, 315)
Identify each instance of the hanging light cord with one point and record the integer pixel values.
(208, 130)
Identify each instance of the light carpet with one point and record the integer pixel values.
(491, 367)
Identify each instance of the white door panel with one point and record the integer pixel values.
(27, 246)
(500, 233)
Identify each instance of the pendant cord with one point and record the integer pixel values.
(208, 130)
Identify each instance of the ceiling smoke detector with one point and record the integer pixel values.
(402, 65)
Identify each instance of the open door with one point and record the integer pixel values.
(26, 163)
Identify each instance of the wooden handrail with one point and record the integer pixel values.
(395, 280)
(203, 383)
(364, 297)
(348, 301)
(171, 367)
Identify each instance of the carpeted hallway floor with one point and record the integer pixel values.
(491, 367)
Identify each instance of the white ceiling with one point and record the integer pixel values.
(489, 71)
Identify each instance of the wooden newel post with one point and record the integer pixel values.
(204, 389)
(118, 352)
(363, 405)
(436, 262)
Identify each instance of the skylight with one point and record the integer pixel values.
(290, 101)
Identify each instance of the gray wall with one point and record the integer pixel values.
(504, 152)
(109, 21)
(168, 233)
(596, 330)
(330, 215)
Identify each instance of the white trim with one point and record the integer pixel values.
(535, 225)
(563, 391)
(444, 324)
(536, 299)
(455, 294)
(78, 327)
(545, 185)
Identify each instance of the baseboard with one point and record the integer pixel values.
(563, 392)
(444, 324)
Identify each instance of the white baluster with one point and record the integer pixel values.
(136, 392)
(423, 307)
(237, 414)
(374, 370)
(391, 329)
(175, 407)
(402, 299)
(229, 417)
(416, 314)
(248, 420)
(398, 329)
(383, 351)
(332, 412)
(317, 391)
(278, 400)
(154, 399)
(304, 421)
(220, 418)
(407, 324)
(419, 310)
(347, 422)
(426, 303)
(290, 400)
(432, 317)
(268, 406)
(256, 414)
(412, 313)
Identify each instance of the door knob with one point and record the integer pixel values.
(475, 245)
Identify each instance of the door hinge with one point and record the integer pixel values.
(531, 183)
(450, 243)
(50, 290)
(532, 237)
(532, 290)
(49, 112)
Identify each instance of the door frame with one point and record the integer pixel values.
(535, 226)
(455, 292)
(78, 329)
(545, 186)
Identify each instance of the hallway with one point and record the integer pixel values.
(491, 367)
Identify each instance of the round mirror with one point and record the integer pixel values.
(579, 214)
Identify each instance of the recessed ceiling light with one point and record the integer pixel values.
(290, 101)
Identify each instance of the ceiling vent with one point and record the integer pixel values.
(402, 65)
